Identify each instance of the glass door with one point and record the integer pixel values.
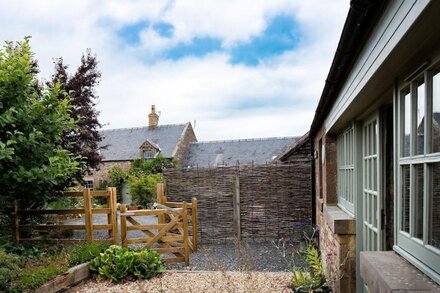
(372, 198)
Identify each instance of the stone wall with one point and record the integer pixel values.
(301, 154)
(183, 143)
(102, 174)
(337, 228)
(273, 198)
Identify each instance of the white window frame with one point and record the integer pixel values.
(346, 175)
(149, 157)
(87, 184)
(418, 251)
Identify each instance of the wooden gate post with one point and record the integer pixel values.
(109, 216)
(123, 225)
(194, 223)
(185, 232)
(236, 208)
(88, 216)
(114, 215)
(160, 200)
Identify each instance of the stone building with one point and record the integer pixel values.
(126, 144)
(299, 151)
(376, 150)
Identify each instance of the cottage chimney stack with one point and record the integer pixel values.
(153, 118)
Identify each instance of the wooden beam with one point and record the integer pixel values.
(236, 218)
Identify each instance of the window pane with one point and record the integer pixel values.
(436, 113)
(420, 143)
(406, 125)
(418, 210)
(435, 206)
(405, 198)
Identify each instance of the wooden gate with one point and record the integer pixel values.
(87, 211)
(170, 235)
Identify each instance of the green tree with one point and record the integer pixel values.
(32, 122)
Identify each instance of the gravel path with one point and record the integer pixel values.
(225, 256)
(185, 282)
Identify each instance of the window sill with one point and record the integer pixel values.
(385, 271)
(339, 221)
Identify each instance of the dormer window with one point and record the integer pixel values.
(148, 155)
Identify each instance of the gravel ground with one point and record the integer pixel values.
(227, 255)
(230, 256)
(184, 282)
(249, 266)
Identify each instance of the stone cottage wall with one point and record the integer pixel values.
(101, 175)
(183, 144)
(337, 228)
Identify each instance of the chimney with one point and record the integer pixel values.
(153, 118)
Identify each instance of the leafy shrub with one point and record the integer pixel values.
(84, 252)
(5, 278)
(117, 262)
(143, 188)
(147, 264)
(117, 178)
(154, 166)
(312, 277)
(9, 260)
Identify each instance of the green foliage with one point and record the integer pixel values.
(84, 252)
(143, 188)
(147, 264)
(117, 262)
(142, 178)
(312, 277)
(9, 260)
(32, 120)
(153, 166)
(5, 278)
(34, 277)
(117, 178)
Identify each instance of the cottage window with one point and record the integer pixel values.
(345, 163)
(148, 155)
(88, 184)
(418, 204)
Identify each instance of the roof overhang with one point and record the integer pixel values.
(361, 19)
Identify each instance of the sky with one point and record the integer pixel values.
(234, 69)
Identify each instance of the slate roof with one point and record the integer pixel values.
(123, 143)
(227, 152)
(293, 147)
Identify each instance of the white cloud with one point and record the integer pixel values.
(208, 89)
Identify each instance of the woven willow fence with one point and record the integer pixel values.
(255, 201)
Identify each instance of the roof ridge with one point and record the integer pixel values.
(140, 127)
(247, 139)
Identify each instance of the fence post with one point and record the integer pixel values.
(185, 232)
(236, 208)
(194, 223)
(114, 215)
(88, 216)
(109, 216)
(15, 224)
(160, 200)
(123, 225)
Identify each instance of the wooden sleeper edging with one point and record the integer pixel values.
(70, 278)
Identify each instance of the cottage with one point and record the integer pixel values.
(126, 144)
(376, 148)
